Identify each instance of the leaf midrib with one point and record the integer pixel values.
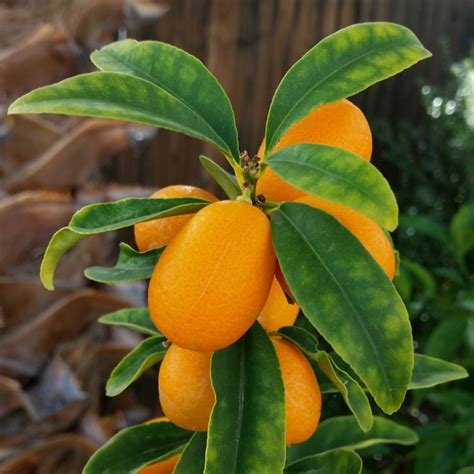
(331, 175)
(346, 297)
(341, 68)
(149, 78)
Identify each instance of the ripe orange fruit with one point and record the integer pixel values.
(340, 124)
(185, 389)
(162, 467)
(158, 232)
(302, 394)
(370, 235)
(277, 312)
(212, 280)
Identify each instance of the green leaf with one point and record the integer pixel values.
(340, 66)
(461, 231)
(466, 470)
(63, 240)
(339, 176)
(107, 216)
(145, 355)
(300, 337)
(430, 371)
(193, 457)
(137, 319)
(421, 275)
(120, 96)
(336, 461)
(344, 432)
(358, 310)
(225, 180)
(104, 217)
(179, 74)
(131, 266)
(247, 426)
(137, 446)
(352, 393)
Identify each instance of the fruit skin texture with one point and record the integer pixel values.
(158, 232)
(370, 235)
(340, 124)
(212, 280)
(185, 389)
(302, 394)
(277, 312)
(162, 467)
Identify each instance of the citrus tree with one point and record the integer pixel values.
(260, 304)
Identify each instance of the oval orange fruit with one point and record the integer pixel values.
(277, 312)
(340, 124)
(212, 280)
(302, 393)
(370, 235)
(185, 389)
(158, 232)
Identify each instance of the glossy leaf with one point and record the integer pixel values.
(131, 266)
(193, 457)
(300, 337)
(344, 432)
(339, 176)
(225, 180)
(121, 96)
(137, 446)
(336, 461)
(62, 241)
(340, 66)
(136, 319)
(247, 426)
(144, 356)
(104, 217)
(430, 371)
(181, 75)
(358, 310)
(350, 390)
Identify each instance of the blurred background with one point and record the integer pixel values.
(55, 358)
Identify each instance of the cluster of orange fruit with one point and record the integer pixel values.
(218, 274)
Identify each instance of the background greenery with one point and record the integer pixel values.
(431, 161)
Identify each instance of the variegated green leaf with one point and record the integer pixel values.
(138, 446)
(180, 74)
(358, 310)
(131, 266)
(121, 96)
(247, 426)
(193, 457)
(225, 180)
(136, 319)
(344, 432)
(336, 461)
(105, 217)
(339, 176)
(145, 355)
(339, 66)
